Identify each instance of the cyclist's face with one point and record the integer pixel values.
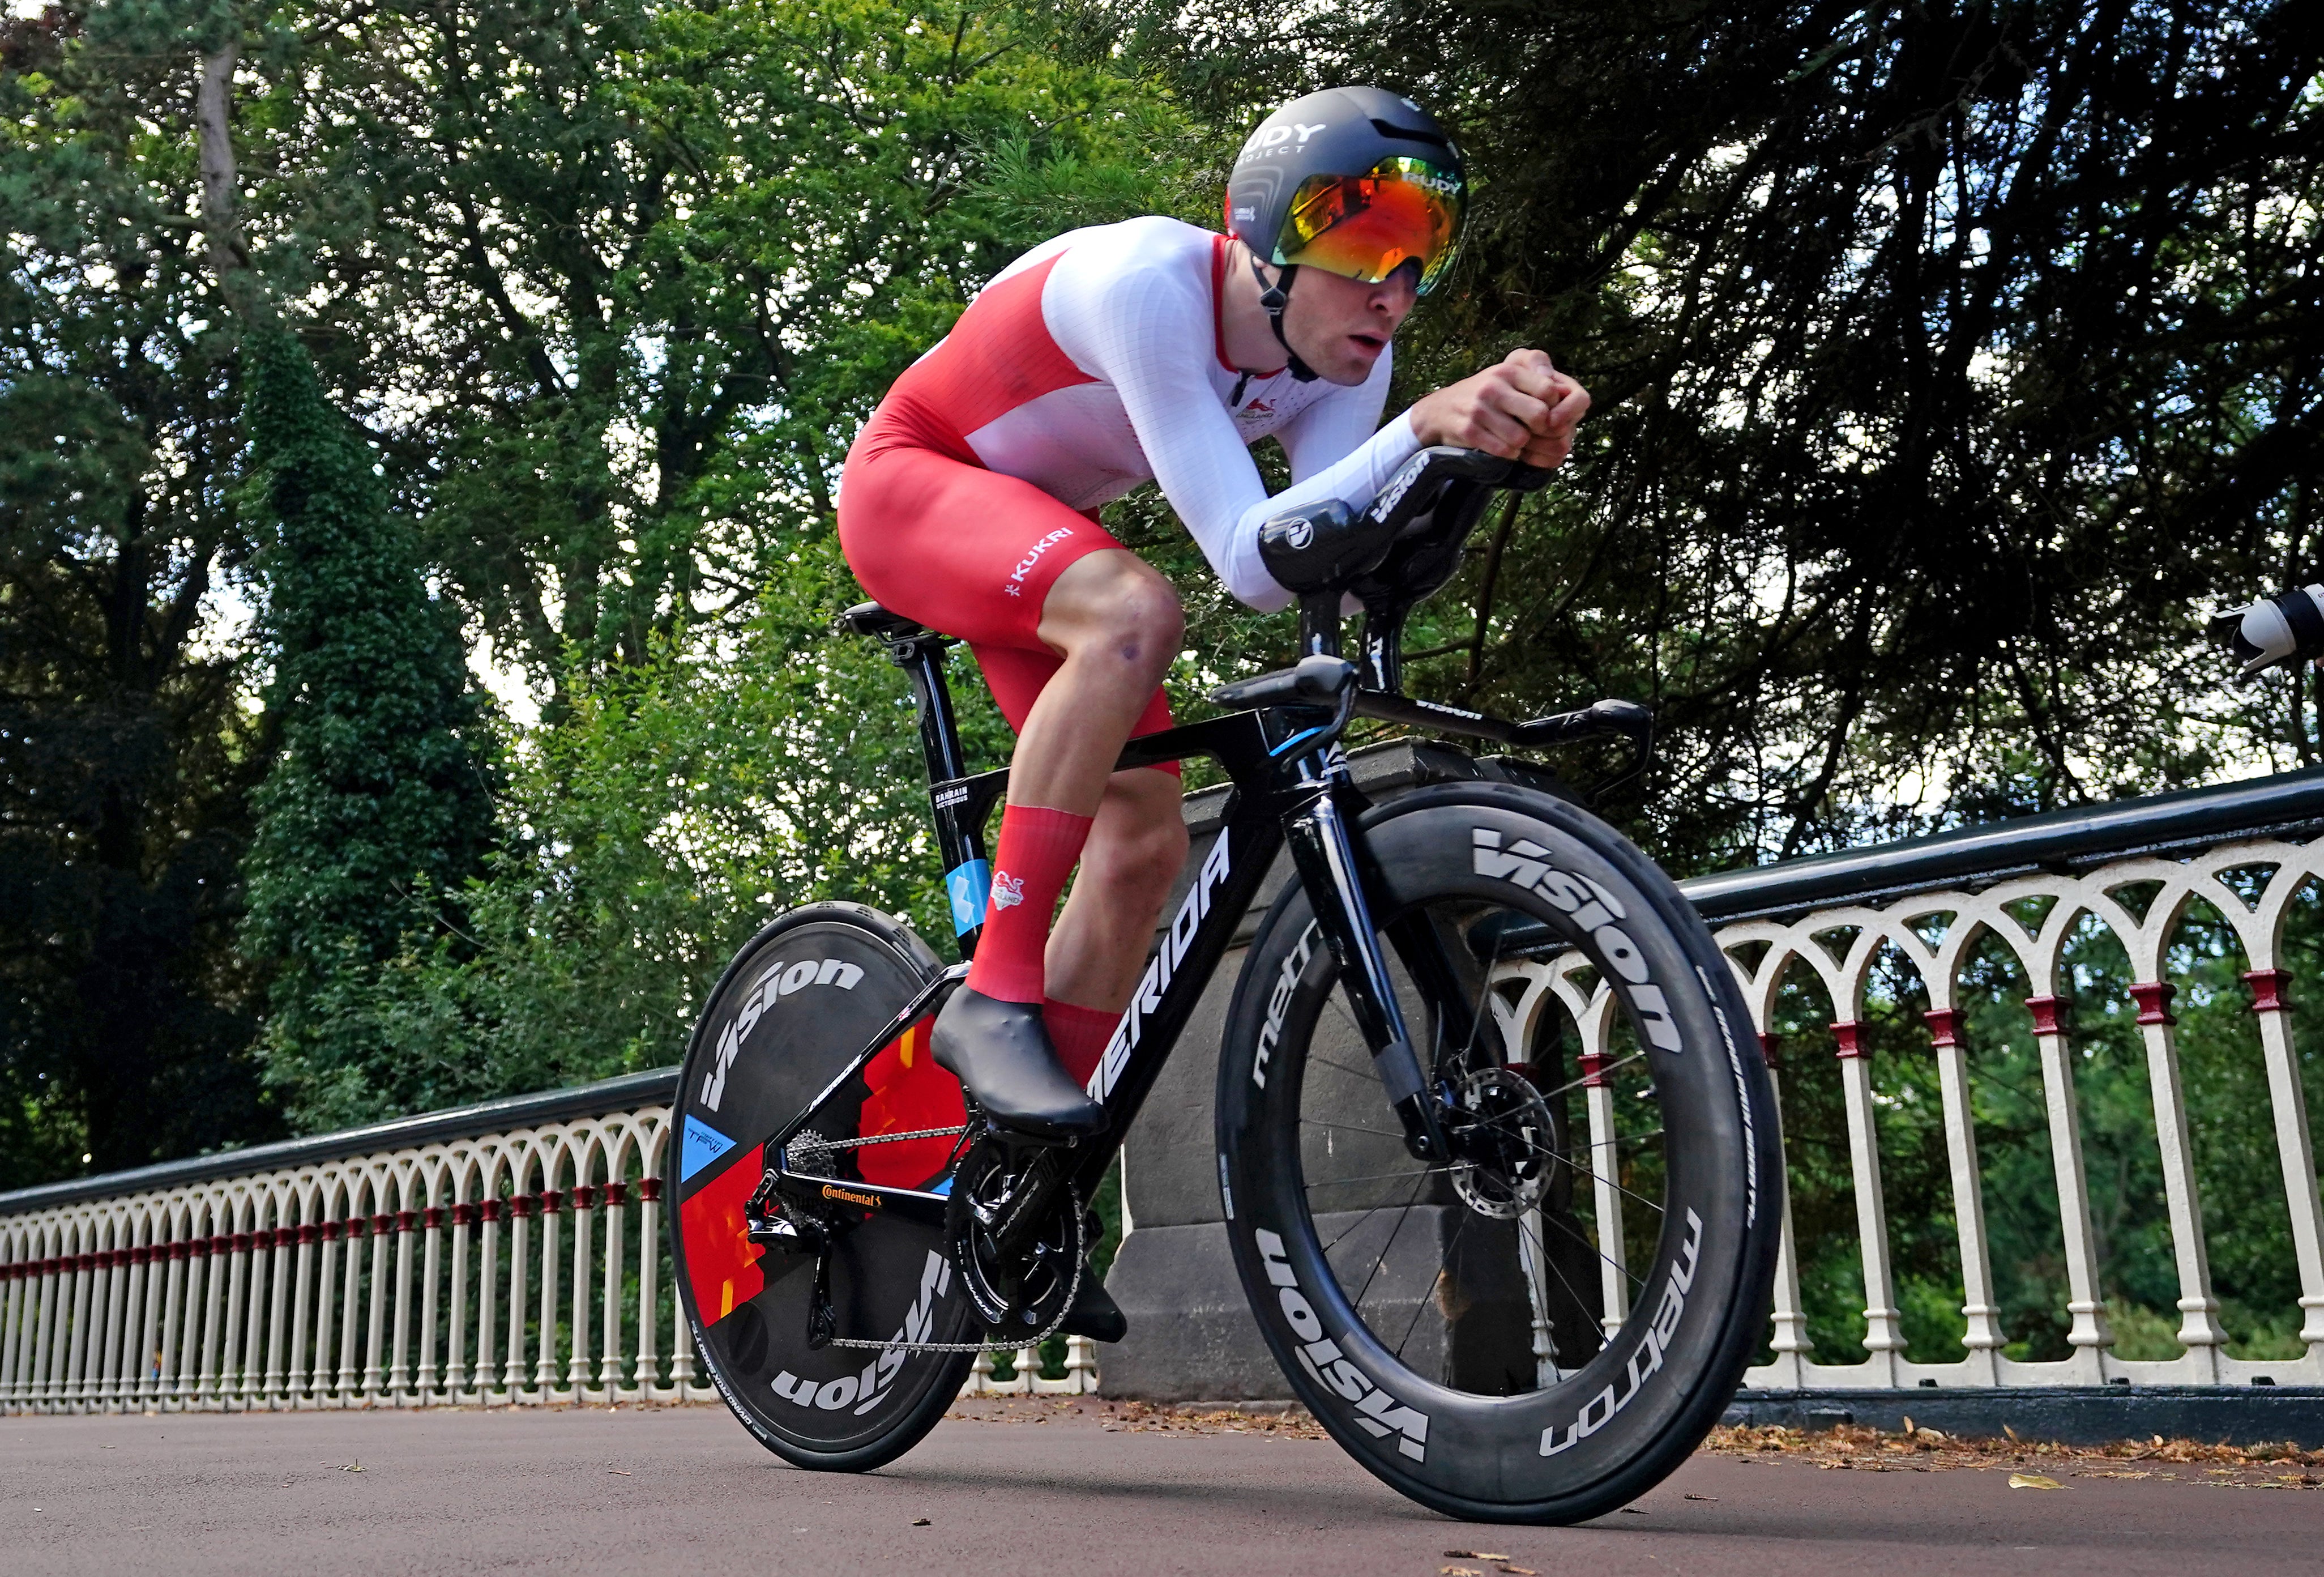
(1340, 326)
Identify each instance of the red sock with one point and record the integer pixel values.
(1080, 1035)
(1036, 852)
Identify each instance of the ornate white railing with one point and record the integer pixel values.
(1932, 902)
(426, 1262)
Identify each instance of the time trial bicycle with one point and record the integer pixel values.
(1397, 1172)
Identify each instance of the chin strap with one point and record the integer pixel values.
(1275, 298)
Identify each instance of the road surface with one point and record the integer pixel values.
(683, 1491)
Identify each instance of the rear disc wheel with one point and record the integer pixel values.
(795, 1007)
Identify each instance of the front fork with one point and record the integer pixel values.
(1324, 853)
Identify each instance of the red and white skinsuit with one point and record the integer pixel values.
(1094, 362)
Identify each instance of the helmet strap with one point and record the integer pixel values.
(1275, 298)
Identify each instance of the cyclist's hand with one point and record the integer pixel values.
(1522, 408)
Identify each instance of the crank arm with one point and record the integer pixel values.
(1325, 858)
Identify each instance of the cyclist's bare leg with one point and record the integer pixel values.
(1134, 853)
(1116, 623)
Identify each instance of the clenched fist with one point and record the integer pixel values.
(1521, 408)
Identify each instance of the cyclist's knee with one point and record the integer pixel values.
(1112, 605)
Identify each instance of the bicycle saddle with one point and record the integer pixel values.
(868, 618)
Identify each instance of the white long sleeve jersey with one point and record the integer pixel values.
(1097, 360)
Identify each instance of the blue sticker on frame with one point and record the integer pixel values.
(967, 885)
(700, 1145)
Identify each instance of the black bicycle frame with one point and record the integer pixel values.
(1291, 778)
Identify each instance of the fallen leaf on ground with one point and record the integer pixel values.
(623, 1471)
(1475, 1555)
(2009, 1432)
(920, 1522)
(1908, 1423)
(1691, 1495)
(1632, 1511)
(353, 1467)
(1520, 1571)
(1459, 1571)
(2033, 1481)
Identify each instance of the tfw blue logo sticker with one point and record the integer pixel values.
(966, 886)
(702, 1145)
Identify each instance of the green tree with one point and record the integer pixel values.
(1947, 361)
(127, 749)
(378, 790)
(682, 803)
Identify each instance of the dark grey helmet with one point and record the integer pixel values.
(1341, 132)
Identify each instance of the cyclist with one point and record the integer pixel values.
(1100, 359)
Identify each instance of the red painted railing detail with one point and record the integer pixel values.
(356, 1226)
(331, 1230)
(650, 1189)
(2153, 999)
(309, 1234)
(406, 1220)
(521, 1205)
(490, 1209)
(551, 1201)
(434, 1218)
(2045, 1014)
(242, 1242)
(616, 1195)
(2267, 989)
(584, 1196)
(1944, 1026)
(1769, 1053)
(1593, 1075)
(1848, 1035)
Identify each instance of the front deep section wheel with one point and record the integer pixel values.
(1543, 1326)
(793, 1009)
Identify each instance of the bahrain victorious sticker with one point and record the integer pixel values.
(867, 1390)
(1376, 1413)
(1645, 1359)
(1596, 911)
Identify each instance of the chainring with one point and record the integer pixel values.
(1020, 1292)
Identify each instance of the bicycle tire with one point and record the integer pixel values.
(797, 1003)
(1553, 1445)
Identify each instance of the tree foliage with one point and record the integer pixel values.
(125, 754)
(1947, 360)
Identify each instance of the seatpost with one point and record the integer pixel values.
(960, 833)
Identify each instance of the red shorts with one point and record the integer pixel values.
(966, 552)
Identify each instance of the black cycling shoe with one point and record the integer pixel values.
(1094, 1313)
(1001, 1052)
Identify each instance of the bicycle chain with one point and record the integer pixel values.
(1072, 1287)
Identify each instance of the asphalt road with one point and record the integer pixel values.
(685, 1490)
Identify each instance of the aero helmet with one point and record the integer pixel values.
(1356, 181)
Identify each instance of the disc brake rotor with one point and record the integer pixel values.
(1504, 1142)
